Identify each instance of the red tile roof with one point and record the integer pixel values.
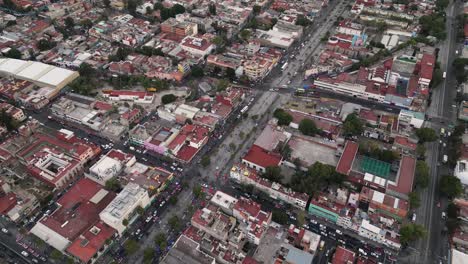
(119, 155)
(130, 114)
(403, 141)
(465, 29)
(343, 256)
(91, 241)
(347, 158)
(261, 157)
(368, 115)
(7, 202)
(186, 153)
(427, 66)
(405, 179)
(76, 212)
(102, 106)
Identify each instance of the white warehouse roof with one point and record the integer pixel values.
(38, 72)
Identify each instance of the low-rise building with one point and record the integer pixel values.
(259, 159)
(197, 46)
(243, 174)
(15, 113)
(78, 210)
(186, 250)
(123, 207)
(130, 96)
(343, 256)
(110, 165)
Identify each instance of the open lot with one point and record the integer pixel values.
(310, 151)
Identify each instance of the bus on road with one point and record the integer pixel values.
(284, 66)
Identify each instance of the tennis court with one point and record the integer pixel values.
(375, 167)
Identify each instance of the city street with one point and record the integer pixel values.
(435, 248)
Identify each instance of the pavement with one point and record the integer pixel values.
(435, 247)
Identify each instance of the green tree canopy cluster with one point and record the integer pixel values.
(169, 12)
(373, 150)
(422, 174)
(426, 134)
(411, 232)
(168, 98)
(433, 25)
(450, 186)
(308, 127)
(283, 117)
(353, 126)
(272, 173)
(317, 177)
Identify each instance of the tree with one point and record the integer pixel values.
(174, 222)
(222, 85)
(302, 21)
(219, 41)
(86, 70)
(421, 150)
(197, 191)
(173, 200)
(256, 9)
(272, 173)
(125, 222)
(301, 218)
(353, 126)
(197, 71)
(232, 146)
(450, 186)
(161, 240)
(452, 210)
(245, 34)
(44, 44)
(426, 134)
(422, 174)
(69, 22)
(285, 150)
(178, 9)
(411, 232)
(212, 9)
(308, 127)
(131, 246)
(7, 121)
(140, 210)
(414, 200)
(283, 117)
(56, 255)
(241, 135)
(205, 161)
(13, 53)
(168, 98)
(86, 23)
(113, 184)
(230, 74)
(106, 3)
(279, 216)
(148, 255)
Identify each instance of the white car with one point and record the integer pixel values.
(24, 253)
(4, 230)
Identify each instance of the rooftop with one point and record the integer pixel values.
(343, 256)
(261, 157)
(404, 182)
(347, 158)
(79, 208)
(186, 251)
(90, 242)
